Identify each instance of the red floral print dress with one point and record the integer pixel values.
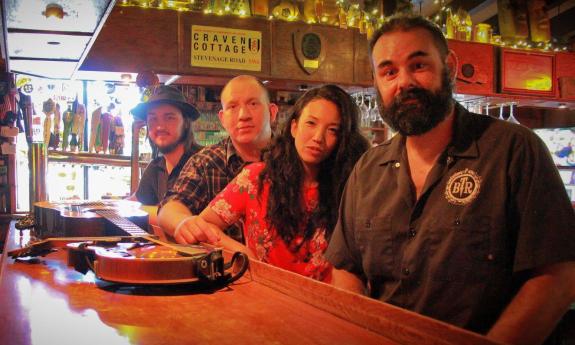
(239, 200)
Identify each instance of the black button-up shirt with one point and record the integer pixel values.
(155, 180)
(493, 207)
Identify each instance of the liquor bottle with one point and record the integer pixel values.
(310, 14)
(353, 16)
(512, 18)
(286, 10)
(539, 26)
(342, 17)
(260, 8)
(330, 12)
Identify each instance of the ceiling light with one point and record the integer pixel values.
(54, 10)
(126, 77)
(172, 79)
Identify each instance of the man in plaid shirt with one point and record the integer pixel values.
(247, 116)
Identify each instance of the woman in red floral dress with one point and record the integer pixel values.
(289, 201)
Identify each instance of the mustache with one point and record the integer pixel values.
(417, 93)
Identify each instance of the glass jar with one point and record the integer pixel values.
(482, 33)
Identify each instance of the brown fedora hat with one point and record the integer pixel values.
(165, 94)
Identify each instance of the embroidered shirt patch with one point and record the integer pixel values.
(463, 187)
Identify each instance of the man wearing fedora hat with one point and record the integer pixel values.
(169, 118)
(246, 115)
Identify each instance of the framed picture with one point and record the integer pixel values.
(527, 73)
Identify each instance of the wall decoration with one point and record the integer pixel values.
(310, 49)
(527, 72)
(229, 48)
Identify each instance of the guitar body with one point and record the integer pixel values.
(153, 264)
(135, 260)
(75, 218)
(141, 262)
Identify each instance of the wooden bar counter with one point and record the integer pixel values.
(48, 302)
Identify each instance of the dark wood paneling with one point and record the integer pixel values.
(135, 39)
(475, 67)
(565, 68)
(363, 72)
(337, 66)
(185, 32)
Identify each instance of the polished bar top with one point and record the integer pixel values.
(46, 302)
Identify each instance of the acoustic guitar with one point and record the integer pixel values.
(77, 218)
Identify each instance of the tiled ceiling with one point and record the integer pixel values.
(49, 46)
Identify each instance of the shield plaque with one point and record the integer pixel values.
(310, 49)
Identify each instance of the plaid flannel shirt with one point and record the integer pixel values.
(204, 175)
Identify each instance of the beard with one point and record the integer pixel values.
(425, 109)
(171, 147)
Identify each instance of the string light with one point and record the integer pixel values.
(355, 17)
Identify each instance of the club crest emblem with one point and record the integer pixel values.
(463, 187)
(310, 49)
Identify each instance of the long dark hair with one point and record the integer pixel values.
(190, 143)
(285, 172)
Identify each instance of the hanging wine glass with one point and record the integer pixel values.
(487, 108)
(375, 115)
(355, 98)
(477, 107)
(501, 117)
(364, 111)
(512, 118)
(357, 102)
(373, 111)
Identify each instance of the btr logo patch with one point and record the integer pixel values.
(463, 187)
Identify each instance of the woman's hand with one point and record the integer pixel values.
(194, 229)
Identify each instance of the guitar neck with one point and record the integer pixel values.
(123, 223)
(136, 231)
